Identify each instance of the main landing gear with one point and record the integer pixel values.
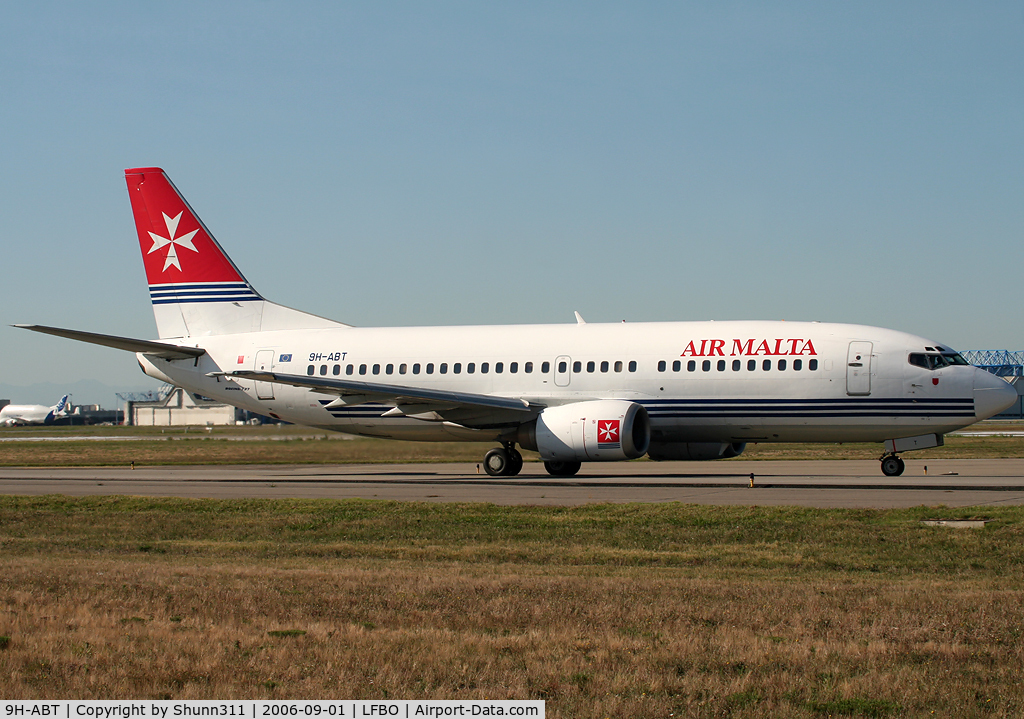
(562, 468)
(892, 465)
(504, 461)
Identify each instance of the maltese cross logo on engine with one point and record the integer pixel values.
(171, 241)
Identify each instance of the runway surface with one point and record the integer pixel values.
(954, 483)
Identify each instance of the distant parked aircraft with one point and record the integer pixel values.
(21, 414)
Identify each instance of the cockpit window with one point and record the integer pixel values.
(936, 361)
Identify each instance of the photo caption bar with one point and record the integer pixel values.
(259, 709)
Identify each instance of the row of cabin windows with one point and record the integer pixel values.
(737, 365)
(592, 366)
(442, 368)
(470, 367)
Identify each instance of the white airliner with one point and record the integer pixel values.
(574, 393)
(22, 414)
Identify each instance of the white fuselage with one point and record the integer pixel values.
(699, 381)
(22, 414)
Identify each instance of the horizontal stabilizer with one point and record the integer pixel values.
(157, 349)
(391, 392)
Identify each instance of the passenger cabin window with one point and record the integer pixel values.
(336, 369)
(751, 365)
(444, 368)
(677, 365)
(562, 366)
(591, 366)
(661, 365)
(528, 368)
(766, 365)
(376, 369)
(782, 365)
(691, 366)
(311, 370)
(706, 365)
(498, 367)
(350, 369)
(471, 368)
(362, 369)
(390, 369)
(513, 367)
(798, 365)
(402, 368)
(604, 366)
(484, 366)
(323, 369)
(721, 365)
(416, 368)
(632, 365)
(430, 368)
(812, 364)
(577, 366)
(545, 367)
(457, 368)
(737, 365)
(618, 366)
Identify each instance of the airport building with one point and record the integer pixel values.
(173, 406)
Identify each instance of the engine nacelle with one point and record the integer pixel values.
(694, 451)
(597, 430)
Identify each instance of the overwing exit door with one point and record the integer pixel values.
(563, 371)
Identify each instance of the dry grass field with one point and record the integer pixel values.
(603, 611)
(298, 445)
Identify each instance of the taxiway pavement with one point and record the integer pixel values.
(812, 483)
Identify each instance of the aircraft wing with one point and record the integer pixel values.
(409, 400)
(149, 347)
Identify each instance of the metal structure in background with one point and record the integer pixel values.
(1002, 363)
(1008, 365)
(153, 395)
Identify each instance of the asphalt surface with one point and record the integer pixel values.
(836, 483)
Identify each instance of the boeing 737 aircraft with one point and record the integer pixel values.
(574, 393)
(22, 414)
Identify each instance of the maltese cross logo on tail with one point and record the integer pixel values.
(171, 242)
(607, 432)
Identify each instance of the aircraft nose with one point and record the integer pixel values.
(991, 394)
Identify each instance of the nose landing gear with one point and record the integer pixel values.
(892, 465)
(504, 461)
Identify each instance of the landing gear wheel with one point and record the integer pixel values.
(515, 465)
(892, 466)
(559, 468)
(497, 462)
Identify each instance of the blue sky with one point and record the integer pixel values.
(455, 163)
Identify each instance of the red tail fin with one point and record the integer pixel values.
(195, 287)
(176, 246)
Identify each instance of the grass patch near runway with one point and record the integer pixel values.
(601, 610)
(149, 446)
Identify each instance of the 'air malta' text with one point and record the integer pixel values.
(716, 348)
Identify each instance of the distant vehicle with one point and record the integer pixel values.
(573, 392)
(14, 415)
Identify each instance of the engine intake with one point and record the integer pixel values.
(598, 430)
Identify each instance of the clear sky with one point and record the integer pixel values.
(465, 162)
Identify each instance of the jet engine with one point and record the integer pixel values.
(694, 451)
(597, 430)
